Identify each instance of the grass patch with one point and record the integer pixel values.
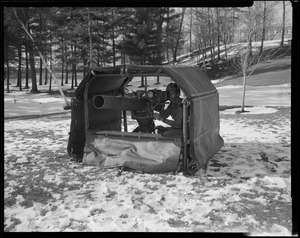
(8, 202)
(15, 223)
(177, 223)
(36, 194)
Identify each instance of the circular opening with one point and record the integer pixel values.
(98, 102)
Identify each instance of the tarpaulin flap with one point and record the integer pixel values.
(152, 156)
(100, 83)
(205, 138)
(190, 79)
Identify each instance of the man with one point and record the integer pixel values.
(174, 110)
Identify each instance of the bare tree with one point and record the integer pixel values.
(265, 19)
(90, 38)
(243, 61)
(212, 36)
(263, 28)
(247, 63)
(178, 36)
(27, 66)
(283, 23)
(191, 27)
(218, 31)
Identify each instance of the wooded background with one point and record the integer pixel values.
(74, 39)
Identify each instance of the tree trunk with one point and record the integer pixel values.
(90, 40)
(178, 36)
(213, 39)
(263, 29)
(225, 45)
(85, 61)
(283, 23)
(210, 40)
(114, 49)
(75, 69)
(231, 37)
(67, 74)
(72, 67)
(41, 72)
(218, 31)
(75, 76)
(46, 71)
(50, 75)
(98, 58)
(191, 24)
(41, 61)
(7, 72)
(142, 82)
(157, 81)
(113, 38)
(245, 65)
(167, 34)
(27, 66)
(34, 88)
(244, 92)
(203, 61)
(46, 76)
(62, 61)
(66, 61)
(19, 82)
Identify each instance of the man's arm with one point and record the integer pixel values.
(165, 113)
(176, 122)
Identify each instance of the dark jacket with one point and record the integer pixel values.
(175, 111)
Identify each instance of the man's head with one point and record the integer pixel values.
(173, 90)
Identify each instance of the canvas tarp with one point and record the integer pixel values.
(191, 80)
(148, 155)
(203, 126)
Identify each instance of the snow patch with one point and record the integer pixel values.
(251, 110)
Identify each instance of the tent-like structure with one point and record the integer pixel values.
(99, 107)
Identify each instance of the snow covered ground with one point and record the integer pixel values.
(246, 188)
(193, 58)
(273, 95)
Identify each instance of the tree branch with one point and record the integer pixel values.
(41, 56)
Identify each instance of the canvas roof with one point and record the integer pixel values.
(191, 80)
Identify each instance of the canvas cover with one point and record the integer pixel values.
(205, 140)
(146, 154)
(203, 128)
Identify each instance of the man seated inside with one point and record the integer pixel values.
(174, 110)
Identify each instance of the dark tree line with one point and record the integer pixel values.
(73, 40)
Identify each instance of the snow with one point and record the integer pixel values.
(246, 187)
(192, 58)
(251, 110)
(142, 202)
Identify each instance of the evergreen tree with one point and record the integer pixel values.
(143, 40)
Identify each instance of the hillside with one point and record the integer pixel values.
(273, 72)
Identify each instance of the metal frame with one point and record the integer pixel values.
(86, 108)
(185, 129)
(136, 135)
